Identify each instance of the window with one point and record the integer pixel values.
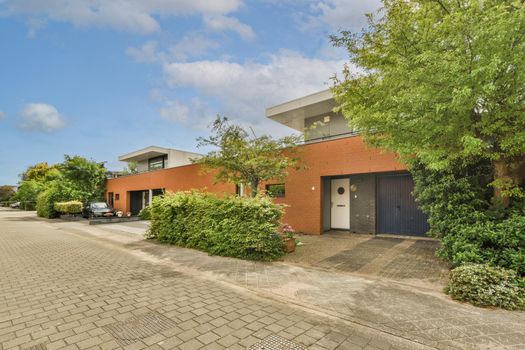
(239, 190)
(110, 199)
(275, 190)
(157, 163)
(117, 196)
(99, 205)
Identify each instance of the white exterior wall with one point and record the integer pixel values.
(178, 158)
(142, 166)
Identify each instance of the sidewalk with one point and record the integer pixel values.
(423, 315)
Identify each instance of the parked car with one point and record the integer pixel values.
(97, 209)
(15, 205)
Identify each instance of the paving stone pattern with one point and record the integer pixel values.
(423, 315)
(63, 291)
(416, 262)
(352, 260)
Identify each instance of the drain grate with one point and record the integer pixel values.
(138, 327)
(275, 342)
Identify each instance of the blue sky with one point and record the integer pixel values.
(101, 78)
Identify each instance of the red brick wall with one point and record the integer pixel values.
(172, 179)
(303, 188)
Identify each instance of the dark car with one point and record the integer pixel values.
(97, 209)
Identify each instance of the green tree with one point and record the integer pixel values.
(241, 157)
(442, 81)
(40, 172)
(6, 192)
(85, 177)
(130, 168)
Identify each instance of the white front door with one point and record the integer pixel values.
(340, 198)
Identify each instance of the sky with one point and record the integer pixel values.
(101, 78)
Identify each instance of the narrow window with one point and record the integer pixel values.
(117, 196)
(157, 163)
(275, 190)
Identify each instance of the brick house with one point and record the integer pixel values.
(346, 185)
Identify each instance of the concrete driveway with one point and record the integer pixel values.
(406, 260)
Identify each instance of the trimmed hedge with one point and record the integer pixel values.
(231, 226)
(71, 207)
(484, 285)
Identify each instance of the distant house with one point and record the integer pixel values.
(346, 185)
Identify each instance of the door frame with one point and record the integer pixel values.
(378, 176)
(340, 177)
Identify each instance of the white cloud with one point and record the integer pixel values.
(190, 46)
(224, 23)
(338, 14)
(127, 15)
(245, 90)
(41, 117)
(196, 114)
(145, 53)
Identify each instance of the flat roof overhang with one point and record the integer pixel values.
(294, 112)
(143, 154)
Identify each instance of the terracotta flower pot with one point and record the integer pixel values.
(289, 245)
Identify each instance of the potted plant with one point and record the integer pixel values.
(288, 238)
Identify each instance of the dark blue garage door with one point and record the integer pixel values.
(397, 210)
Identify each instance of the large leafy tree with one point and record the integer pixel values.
(40, 172)
(242, 158)
(442, 81)
(6, 192)
(84, 176)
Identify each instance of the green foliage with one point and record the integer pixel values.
(484, 285)
(145, 213)
(76, 178)
(85, 176)
(232, 226)
(470, 227)
(244, 158)
(131, 168)
(70, 207)
(40, 172)
(498, 244)
(441, 80)
(6, 192)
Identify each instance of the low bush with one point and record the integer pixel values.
(484, 285)
(230, 226)
(70, 207)
(57, 191)
(145, 213)
(28, 206)
(498, 244)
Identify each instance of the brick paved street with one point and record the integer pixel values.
(62, 290)
(421, 314)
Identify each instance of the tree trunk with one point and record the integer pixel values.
(254, 186)
(508, 173)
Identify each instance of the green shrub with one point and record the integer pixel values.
(57, 191)
(498, 244)
(145, 213)
(483, 285)
(70, 207)
(231, 226)
(28, 206)
(470, 227)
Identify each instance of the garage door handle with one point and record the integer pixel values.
(398, 207)
(341, 205)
